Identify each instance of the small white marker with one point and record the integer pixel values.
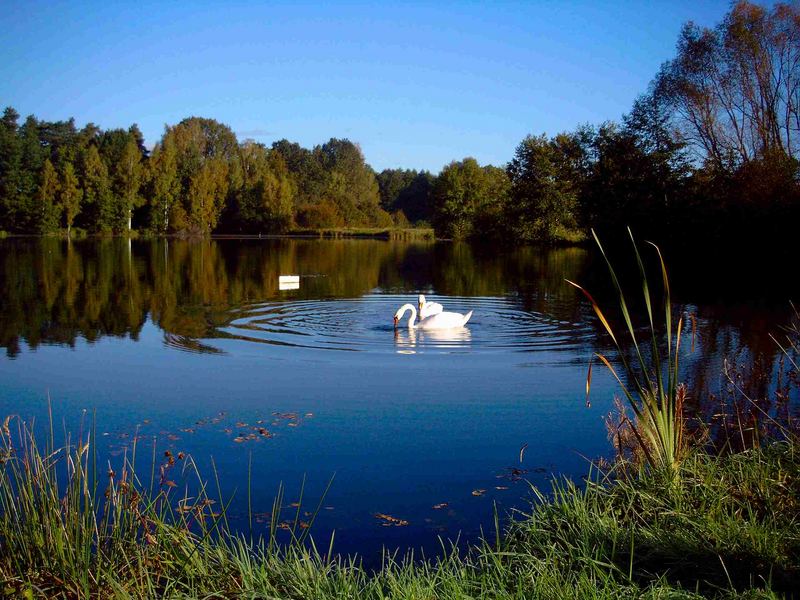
(289, 282)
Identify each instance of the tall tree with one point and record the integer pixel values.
(544, 203)
(96, 187)
(460, 193)
(266, 200)
(351, 183)
(308, 174)
(408, 191)
(735, 89)
(165, 185)
(69, 194)
(32, 161)
(47, 209)
(10, 168)
(209, 171)
(126, 184)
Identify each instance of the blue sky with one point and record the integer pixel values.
(415, 84)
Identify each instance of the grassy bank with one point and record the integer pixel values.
(727, 526)
(410, 233)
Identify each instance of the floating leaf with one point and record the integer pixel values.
(391, 521)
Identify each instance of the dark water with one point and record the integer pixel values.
(193, 345)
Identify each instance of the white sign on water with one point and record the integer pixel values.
(288, 282)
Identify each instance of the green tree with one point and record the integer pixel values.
(308, 174)
(408, 191)
(543, 204)
(462, 191)
(96, 187)
(69, 194)
(28, 214)
(10, 168)
(165, 185)
(489, 220)
(47, 209)
(266, 199)
(351, 183)
(208, 169)
(126, 184)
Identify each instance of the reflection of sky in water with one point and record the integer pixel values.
(405, 420)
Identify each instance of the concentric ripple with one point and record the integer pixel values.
(365, 324)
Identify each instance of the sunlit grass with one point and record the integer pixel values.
(392, 233)
(71, 529)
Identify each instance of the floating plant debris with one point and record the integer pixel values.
(512, 474)
(478, 492)
(390, 521)
(440, 506)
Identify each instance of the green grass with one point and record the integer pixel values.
(726, 527)
(393, 233)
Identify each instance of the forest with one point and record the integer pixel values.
(708, 152)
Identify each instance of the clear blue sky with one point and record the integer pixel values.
(416, 84)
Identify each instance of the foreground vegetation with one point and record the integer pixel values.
(726, 526)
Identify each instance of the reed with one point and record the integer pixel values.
(651, 385)
(70, 524)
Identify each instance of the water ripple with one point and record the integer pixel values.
(365, 324)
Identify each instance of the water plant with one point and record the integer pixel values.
(651, 385)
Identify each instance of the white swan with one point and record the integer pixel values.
(442, 320)
(426, 309)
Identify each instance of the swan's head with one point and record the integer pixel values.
(421, 301)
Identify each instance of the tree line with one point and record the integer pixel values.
(198, 179)
(708, 151)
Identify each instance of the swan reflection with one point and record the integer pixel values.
(407, 339)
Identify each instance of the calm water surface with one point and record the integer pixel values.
(193, 345)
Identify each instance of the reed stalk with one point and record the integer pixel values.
(651, 383)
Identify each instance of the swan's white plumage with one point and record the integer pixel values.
(427, 309)
(442, 320)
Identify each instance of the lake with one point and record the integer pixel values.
(192, 346)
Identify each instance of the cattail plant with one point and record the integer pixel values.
(651, 386)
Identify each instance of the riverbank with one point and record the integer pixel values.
(377, 233)
(725, 526)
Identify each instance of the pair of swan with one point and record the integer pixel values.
(432, 316)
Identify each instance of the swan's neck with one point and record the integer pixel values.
(413, 319)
